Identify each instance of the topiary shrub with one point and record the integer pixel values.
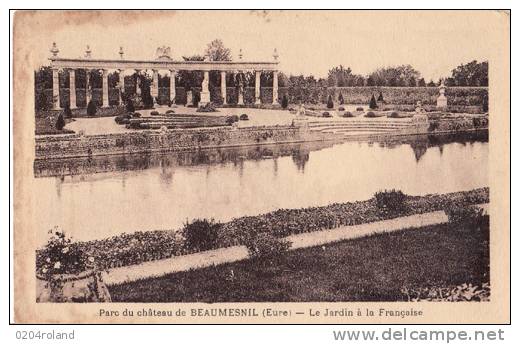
(60, 122)
(208, 107)
(201, 235)
(467, 215)
(341, 100)
(373, 103)
(123, 119)
(485, 103)
(265, 246)
(244, 117)
(380, 98)
(170, 112)
(370, 114)
(91, 108)
(330, 103)
(136, 115)
(348, 114)
(147, 101)
(360, 109)
(394, 114)
(154, 113)
(232, 119)
(326, 114)
(390, 201)
(130, 106)
(434, 125)
(285, 102)
(341, 108)
(67, 113)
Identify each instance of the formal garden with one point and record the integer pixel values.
(432, 256)
(262, 234)
(446, 262)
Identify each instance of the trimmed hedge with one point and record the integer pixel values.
(457, 96)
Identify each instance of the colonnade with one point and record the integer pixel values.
(154, 90)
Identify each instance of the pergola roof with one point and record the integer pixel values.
(162, 64)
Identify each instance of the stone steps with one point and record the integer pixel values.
(391, 126)
(358, 130)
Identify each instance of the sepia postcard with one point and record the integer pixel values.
(261, 167)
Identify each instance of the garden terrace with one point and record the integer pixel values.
(129, 249)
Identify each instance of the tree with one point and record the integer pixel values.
(471, 74)
(60, 122)
(373, 103)
(330, 103)
(190, 79)
(342, 77)
(42, 81)
(421, 83)
(341, 100)
(394, 76)
(216, 51)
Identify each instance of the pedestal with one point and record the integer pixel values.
(204, 98)
(442, 102)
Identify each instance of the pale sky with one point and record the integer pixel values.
(307, 42)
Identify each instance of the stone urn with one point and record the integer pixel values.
(87, 286)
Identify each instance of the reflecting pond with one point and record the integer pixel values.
(104, 196)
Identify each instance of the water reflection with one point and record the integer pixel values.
(104, 196)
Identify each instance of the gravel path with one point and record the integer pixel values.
(232, 254)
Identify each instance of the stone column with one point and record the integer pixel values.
(223, 87)
(121, 85)
(275, 87)
(88, 93)
(155, 84)
(204, 95)
(72, 88)
(172, 86)
(55, 89)
(257, 88)
(105, 88)
(240, 91)
(137, 82)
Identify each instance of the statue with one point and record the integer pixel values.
(442, 101)
(205, 83)
(301, 110)
(163, 53)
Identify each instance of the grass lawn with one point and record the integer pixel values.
(373, 268)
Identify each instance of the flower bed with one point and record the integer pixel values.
(138, 247)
